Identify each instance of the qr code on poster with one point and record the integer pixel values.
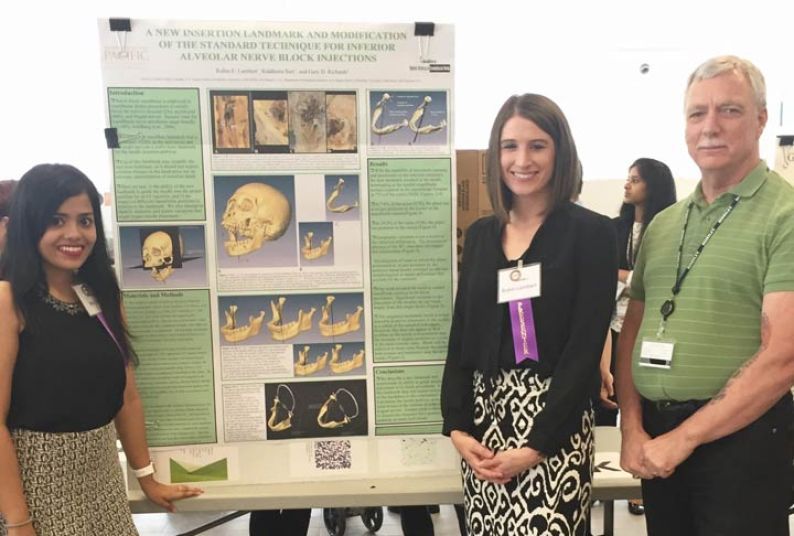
(332, 455)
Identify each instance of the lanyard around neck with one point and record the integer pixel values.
(669, 305)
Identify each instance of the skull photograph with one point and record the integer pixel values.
(158, 253)
(256, 213)
(255, 221)
(157, 256)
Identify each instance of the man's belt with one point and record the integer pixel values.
(675, 406)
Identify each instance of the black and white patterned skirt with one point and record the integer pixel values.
(552, 498)
(73, 483)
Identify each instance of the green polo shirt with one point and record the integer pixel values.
(717, 320)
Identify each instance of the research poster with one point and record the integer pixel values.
(284, 222)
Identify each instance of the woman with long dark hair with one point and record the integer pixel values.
(66, 369)
(648, 190)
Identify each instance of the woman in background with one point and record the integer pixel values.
(66, 369)
(649, 189)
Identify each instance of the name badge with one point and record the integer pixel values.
(87, 298)
(656, 353)
(519, 283)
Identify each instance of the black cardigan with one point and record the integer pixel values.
(624, 229)
(577, 249)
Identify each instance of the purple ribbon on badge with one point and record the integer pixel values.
(524, 340)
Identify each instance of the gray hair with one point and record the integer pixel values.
(722, 64)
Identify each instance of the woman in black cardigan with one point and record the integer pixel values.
(648, 190)
(521, 375)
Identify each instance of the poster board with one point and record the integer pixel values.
(284, 207)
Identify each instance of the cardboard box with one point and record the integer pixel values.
(473, 202)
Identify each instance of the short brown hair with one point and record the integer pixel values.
(548, 117)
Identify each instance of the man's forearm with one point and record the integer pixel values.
(754, 388)
(628, 397)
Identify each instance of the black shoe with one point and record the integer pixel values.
(434, 509)
(636, 508)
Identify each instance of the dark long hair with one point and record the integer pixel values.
(36, 199)
(659, 191)
(549, 118)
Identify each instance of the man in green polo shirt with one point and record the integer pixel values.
(706, 355)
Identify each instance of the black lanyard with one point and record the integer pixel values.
(669, 305)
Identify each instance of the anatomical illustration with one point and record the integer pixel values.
(341, 366)
(345, 403)
(417, 118)
(340, 111)
(304, 409)
(233, 332)
(312, 250)
(316, 243)
(331, 328)
(307, 129)
(162, 256)
(282, 410)
(342, 197)
(283, 331)
(408, 118)
(256, 213)
(271, 122)
(231, 127)
(331, 202)
(308, 364)
(378, 123)
(293, 321)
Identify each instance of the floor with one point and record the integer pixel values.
(445, 523)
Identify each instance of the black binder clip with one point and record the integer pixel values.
(423, 32)
(422, 29)
(112, 138)
(118, 26)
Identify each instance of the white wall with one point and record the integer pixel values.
(584, 55)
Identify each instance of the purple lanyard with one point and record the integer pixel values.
(103, 320)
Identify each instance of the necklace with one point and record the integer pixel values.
(70, 308)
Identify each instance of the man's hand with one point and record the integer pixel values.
(632, 457)
(663, 454)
